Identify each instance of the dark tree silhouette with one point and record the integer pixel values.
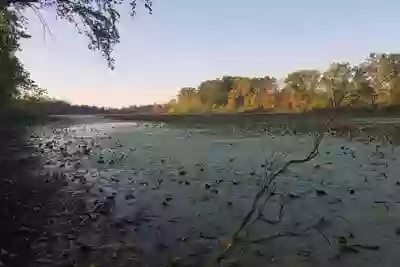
(97, 19)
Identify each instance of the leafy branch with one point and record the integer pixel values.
(97, 19)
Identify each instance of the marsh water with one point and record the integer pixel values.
(155, 193)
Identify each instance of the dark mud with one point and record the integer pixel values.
(154, 194)
(25, 195)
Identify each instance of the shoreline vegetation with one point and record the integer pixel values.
(370, 88)
(372, 85)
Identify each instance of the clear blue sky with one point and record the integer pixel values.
(186, 41)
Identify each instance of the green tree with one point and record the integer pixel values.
(213, 93)
(392, 76)
(383, 71)
(264, 90)
(362, 85)
(15, 81)
(337, 81)
(302, 86)
(242, 93)
(188, 101)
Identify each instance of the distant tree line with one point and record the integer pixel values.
(373, 83)
(141, 109)
(56, 107)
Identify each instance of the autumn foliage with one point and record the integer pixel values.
(374, 82)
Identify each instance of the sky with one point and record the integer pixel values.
(187, 41)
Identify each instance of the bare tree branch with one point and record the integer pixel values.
(271, 177)
(312, 154)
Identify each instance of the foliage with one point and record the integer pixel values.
(54, 107)
(15, 81)
(96, 19)
(376, 81)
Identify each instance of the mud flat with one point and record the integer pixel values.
(137, 193)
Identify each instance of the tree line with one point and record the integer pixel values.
(375, 82)
(47, 106)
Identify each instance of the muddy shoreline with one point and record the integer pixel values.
(32, 200)
(90, 190)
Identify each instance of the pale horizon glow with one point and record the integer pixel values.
(185, 42)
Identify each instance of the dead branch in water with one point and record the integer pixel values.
(269, 180)
(268, 187)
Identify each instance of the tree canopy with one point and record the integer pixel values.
(375, 81)
(96, 19)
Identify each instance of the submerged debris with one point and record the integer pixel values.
(320, 192)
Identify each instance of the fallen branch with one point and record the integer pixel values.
(312, 154)
(271, 176)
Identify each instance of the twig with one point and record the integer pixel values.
(41, 19)
(324, 236)
(272, 237)
(262, 218)
(317, 226)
